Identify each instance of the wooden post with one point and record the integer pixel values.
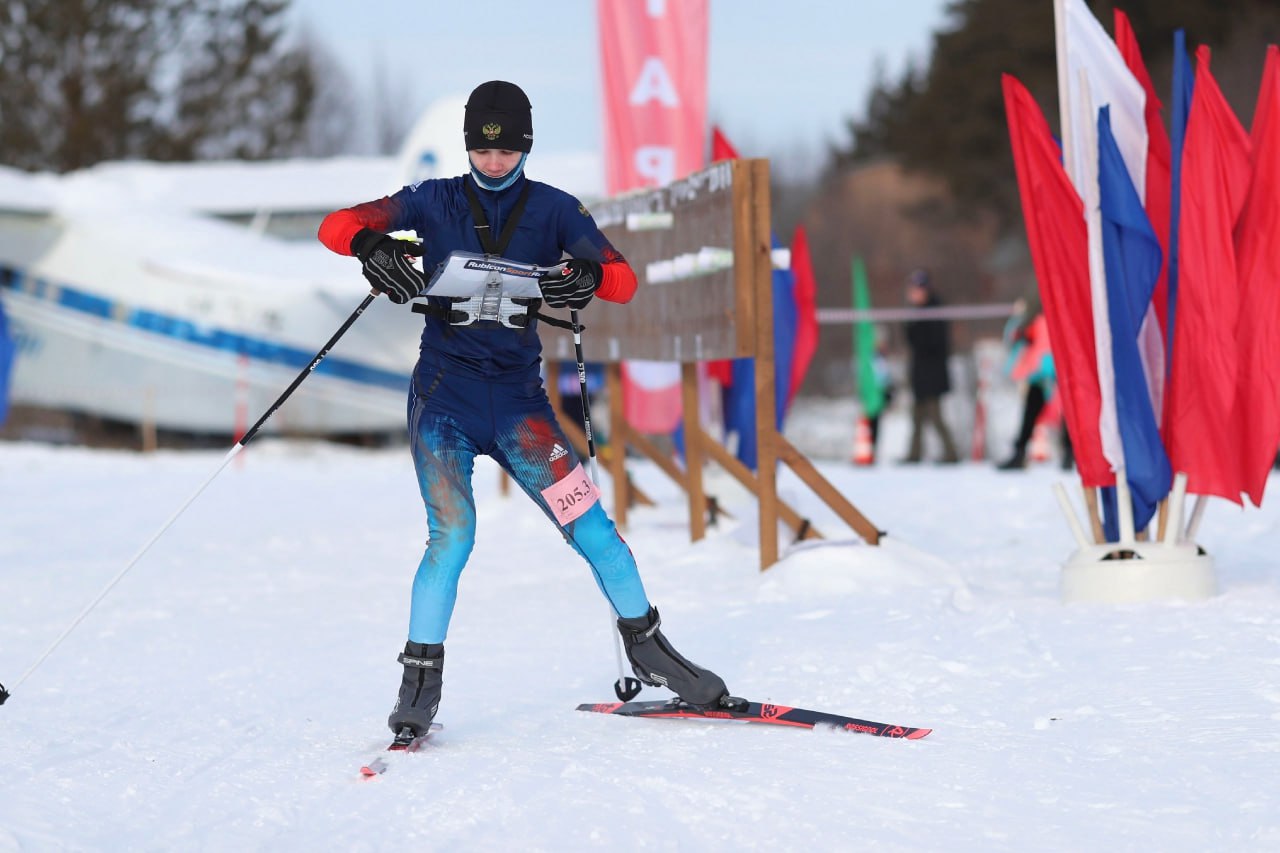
(757, 251)
(713, 229)
(743, 474)
(805, 470)
(618, 442)
(150, 441)
(693, 451)
(605, 453)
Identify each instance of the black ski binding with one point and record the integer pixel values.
(403, 738)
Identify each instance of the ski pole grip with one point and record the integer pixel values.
(4, 694)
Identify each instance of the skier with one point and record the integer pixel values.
(477, 387)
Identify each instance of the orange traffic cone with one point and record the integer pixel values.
(1039, 450)
(863, 451)
(978, 448)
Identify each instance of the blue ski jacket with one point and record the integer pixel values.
(553, 224)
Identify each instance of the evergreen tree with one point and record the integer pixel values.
(948, 120)
(84, 81)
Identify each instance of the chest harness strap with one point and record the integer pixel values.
(490, 305)
(512, 312)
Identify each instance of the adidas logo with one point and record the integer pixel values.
(557, 452)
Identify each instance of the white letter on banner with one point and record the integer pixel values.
(654, 83)
(656, 163)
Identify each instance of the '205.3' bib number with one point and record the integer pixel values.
(571, 496)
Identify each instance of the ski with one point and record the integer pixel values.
(406, 741)
(756, 712)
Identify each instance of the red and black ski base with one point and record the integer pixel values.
(403, 742)
(756, 712)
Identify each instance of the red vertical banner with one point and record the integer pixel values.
(1257, 235)
(1200, 421)
(805, 293)
(1059, 243)
(653, 58)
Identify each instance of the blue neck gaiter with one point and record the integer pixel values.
(502, 183)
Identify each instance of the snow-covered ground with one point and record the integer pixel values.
(224, 695)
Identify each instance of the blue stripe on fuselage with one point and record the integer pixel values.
(259, 349)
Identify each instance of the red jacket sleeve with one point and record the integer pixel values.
(339, 227)
(619, 283)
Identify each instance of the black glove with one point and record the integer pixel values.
(574, 285)
(386, 266)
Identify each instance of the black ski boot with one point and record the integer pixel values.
(1016, 462)
(656, 663)
(419, 688)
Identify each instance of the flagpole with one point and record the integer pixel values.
(1108, 428)
(1124, 506)
(1172, 530)
(1064, 82)
(1095, 519)
(1197, 513)
(1069, 154)
(1072, 521)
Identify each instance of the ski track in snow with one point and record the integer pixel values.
(225, 694)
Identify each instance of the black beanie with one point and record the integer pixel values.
(498, 116)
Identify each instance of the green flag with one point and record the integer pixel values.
(870, 391)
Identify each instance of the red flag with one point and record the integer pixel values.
(651, 396)
(804, 291)
(1256, 240)
(1059, 243)
(653, 60)
(721, 148)
(1202, 382)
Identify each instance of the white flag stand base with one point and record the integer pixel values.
(1136, 572)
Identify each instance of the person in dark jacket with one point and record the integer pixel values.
(929, 342)
(477, 388)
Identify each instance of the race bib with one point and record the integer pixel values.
(570, 497)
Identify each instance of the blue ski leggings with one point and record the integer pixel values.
(451, 420)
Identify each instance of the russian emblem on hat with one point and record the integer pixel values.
(491, 131)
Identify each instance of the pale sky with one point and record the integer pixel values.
(783, 76)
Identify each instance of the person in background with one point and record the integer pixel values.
(477, 390)
(883, 378)
(1030, 363)
(570, 387)
(929, 346)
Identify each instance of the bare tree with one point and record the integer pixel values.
(390, 121)
(84, 81)
(330, 129)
